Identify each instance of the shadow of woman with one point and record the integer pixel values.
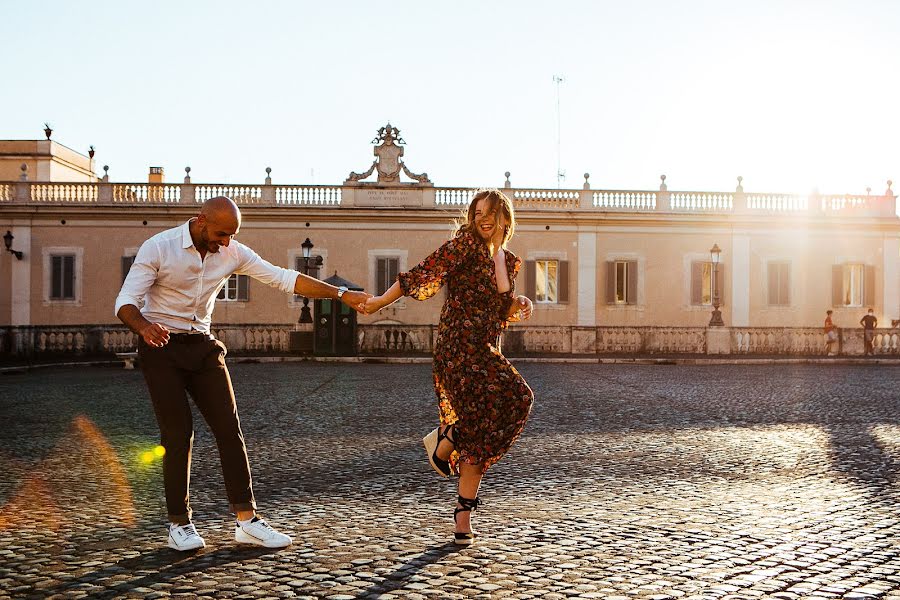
(400, 576)
(858, 453)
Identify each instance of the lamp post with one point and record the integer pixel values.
(8, 240)
(310, 262)
(716, 319)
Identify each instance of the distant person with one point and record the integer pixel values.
(483, 400)
(175, 279)
(869, 323)
(831, 336)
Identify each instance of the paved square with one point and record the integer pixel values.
(629, 482)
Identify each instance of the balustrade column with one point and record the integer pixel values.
(267, 192)
(22, 192)
(663, 198)
(739, 200)
(104, 193)
(348, 196)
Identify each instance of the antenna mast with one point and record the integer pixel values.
(560, 174)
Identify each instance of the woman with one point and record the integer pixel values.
(483, 400)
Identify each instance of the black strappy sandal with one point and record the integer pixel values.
(431, 442)
(465, 505)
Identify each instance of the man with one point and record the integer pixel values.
(177, 274)
(830, 333)
(869, 323)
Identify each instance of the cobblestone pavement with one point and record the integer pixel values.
(629, 482)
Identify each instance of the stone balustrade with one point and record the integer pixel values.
(778, 340)
(383, 339)
(248, 196)
(395, 339)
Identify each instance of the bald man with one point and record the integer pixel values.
(168, 299)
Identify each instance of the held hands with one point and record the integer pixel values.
(374, 304)
(155, 335)
(356, 300)
(526, 307)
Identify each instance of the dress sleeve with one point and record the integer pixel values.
(425, 279)
(513, 264)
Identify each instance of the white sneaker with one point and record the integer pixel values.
(185, 537)
(258, 532)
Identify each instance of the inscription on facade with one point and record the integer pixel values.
(388, 197)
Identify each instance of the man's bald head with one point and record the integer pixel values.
(222, 210)
(218, 222)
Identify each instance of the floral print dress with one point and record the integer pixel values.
(478, 389)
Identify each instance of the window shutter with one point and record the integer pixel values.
(720, 288)
(380, 275)
(68, 277)
(393, 271)
(632, 281)
(563, 287)
(243, 285)
(773, 284)
(610, 282)
(697, 282)
(530, 274)
(837, 285)
(785, 287)
(55, 276)
(127, 261)
(869, 283)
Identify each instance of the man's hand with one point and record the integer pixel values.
(155, 335)
(356, 300)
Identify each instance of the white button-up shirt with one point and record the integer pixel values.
(178, 288)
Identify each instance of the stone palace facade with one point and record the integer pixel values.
(610, 271)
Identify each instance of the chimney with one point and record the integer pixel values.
(156, 175)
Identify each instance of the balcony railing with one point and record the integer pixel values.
(249, 196)
(37, 341)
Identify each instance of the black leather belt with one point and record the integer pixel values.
(190, 338)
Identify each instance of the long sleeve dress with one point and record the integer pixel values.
(477, 387)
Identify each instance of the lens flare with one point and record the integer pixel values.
(159, 451)
(147, 457)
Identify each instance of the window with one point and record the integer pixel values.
(621, 282)
(61, 274)
(779, 280)
(236, 289)
(127, 261)
(386, 270)
(546, 282)
(852, 284)
(312, 271)
(62, 277)
(701, 283)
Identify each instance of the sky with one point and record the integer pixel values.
(793, 95)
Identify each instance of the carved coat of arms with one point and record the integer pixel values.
(388, 154)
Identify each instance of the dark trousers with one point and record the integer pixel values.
(195, 367)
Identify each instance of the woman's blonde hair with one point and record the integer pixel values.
(496, 201)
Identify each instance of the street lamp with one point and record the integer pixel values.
(716, 319)
(310, 262)
(8, 240)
